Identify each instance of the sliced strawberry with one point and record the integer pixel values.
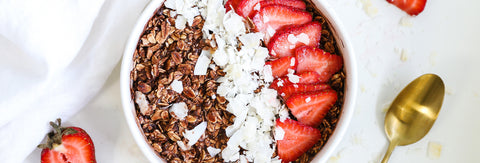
(308, 77)
(297, 140)
(286, 91)
(68, 144)
(411, 7)
(272, 17)
(284, 42)
(310, 108)
(245, 8)
(292, 3)
(280, 66)
(315, 59)
(232, 4)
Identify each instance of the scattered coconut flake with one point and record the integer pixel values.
(267, 71)
(193, 135)
(406, 21)
(177, 86)
(434, 150)
(307, 100)
(292, 62)
(293, 78)
(173, 13)
(202, 63)
(280, 83)
(368, 8)
(404, 55)
(233, 23)
(213, 151)
(170, 4)
(142, 102)
(214, 96)
(303, 38)
(283, 114)
(292, 39)
(432, 58)
(182, 146)
(180, 22)
(279, 133)
(295, 85)
(283, 94)
(180, 110)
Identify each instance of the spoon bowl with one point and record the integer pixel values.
(414, 111)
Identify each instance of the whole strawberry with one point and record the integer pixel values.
(67, 144)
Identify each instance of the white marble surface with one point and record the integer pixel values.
(444, 39)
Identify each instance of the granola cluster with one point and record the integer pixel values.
(164, 55)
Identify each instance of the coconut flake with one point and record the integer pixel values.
(177, 86)
(292, 62)
(182, 146)
(303, 38)
(267, 72)
(142, 102)
(193, 135)
(170, 4)
(180, 110)
(180, 22)
(292, 39)
(293, 78)
(202, 63)
(279, 133)
(213, 151)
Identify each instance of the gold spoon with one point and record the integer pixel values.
(413, 111)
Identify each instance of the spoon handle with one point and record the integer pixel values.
(391, 146)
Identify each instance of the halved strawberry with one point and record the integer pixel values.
(67, 144)
(411, 7)
(280, 66)
(286, 91)
(308, 77)
(298, 139)
(245, 8)
(232, 4)
(315, 59)
(284, 42)
(292, 3)
(310, 108)
(272, 17)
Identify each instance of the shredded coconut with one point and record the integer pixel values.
(180, 110)
(142, 102)
(279, 133)
(193, 135)
(213, 151)
(177, 86)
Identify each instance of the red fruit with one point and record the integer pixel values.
(310, 108)
(305, 78)
(284, 42)
(297, 140)
(411, 7)
(246, 7)
(286, 91)
(67, 144)
(232, 4)
(272, 17)
(280, 66)
(292, 3)
(314, 59)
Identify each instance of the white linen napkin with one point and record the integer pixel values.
(55, 55)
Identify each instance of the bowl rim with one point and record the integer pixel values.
(343, 43)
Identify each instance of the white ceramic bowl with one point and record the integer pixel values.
(342, 41)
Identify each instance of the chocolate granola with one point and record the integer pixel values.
(165, 54)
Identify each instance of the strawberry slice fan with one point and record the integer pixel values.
(301, 69)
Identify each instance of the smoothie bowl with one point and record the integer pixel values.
(238, 81)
